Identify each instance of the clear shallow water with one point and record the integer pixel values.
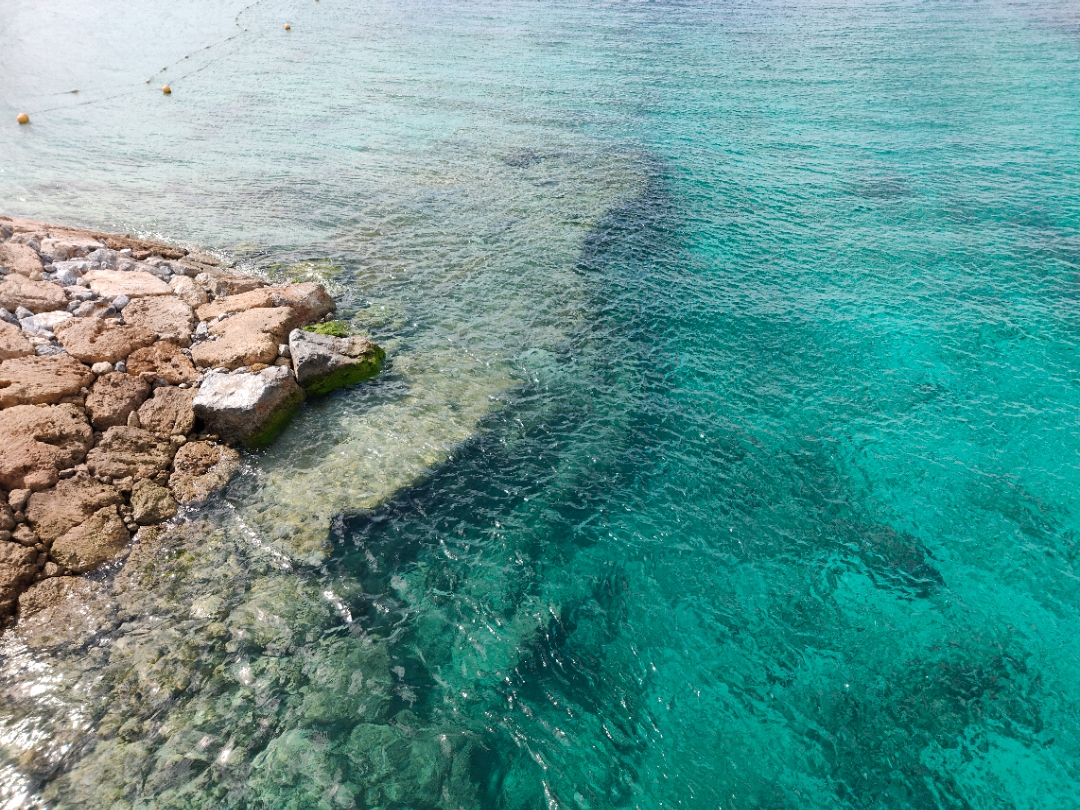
(728, 455)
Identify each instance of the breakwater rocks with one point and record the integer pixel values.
(129, 373)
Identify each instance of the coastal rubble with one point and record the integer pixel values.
(127, 368)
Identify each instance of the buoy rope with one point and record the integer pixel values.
(137, 88)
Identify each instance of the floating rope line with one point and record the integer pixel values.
(132, 90)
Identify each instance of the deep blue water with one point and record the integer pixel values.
(728, 453)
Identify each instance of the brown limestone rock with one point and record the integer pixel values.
(97, 340)
(245, 338)
(164, 360)
(200, 468)
(56, 511)
(168, 412)
(39, 442)
(255, 299)
(52, 592)
(310, 301)
(41, 380)
(37, 296)
(18, 564)
(128, 452)
(21, 259)
(223, 284)
(133, 284)
(97, 540)
(13, 343)
(7, 515)
(188, 291)
(167, 315)
(151, 503)
(113, 398)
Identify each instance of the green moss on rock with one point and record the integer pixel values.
(332, 328)
(277, 421)
(369, 367)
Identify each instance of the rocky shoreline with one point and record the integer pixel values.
(130, 371)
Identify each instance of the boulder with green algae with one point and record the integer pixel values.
(323, 362)
(251, 408)
(338, 329)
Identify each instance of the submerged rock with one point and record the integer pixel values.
(323, 362)
(249, 408)
(199, 468)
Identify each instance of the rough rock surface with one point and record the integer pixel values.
(130, 453)
(323, 363)
(13, 343)
(188, 291)
(18, 564)
(114, 397)
(251, 407)
(37, 380)
(200, 468)
(223, 285)
(70, 496)
(97, 340)
(133, 284)
(151, 503)
(51, 592)
(166, 315)
(37, 296)
(39, 442)
(21, 259)
(97, 540)
(310, 301)
(54, 512)
(246, 338)
(164, 360)
(169, 412)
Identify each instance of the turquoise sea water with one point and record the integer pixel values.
(727, 457)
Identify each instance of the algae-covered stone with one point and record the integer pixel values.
(338, 329)
(323, 362)
(248, 408)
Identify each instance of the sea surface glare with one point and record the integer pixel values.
(727, 455)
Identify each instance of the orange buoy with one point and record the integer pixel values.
(288, 27)
(23, 118)
(166, 89)
(74, 89)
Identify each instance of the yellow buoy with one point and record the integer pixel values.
(288, 27)
(74, 89)
(166, 89)
(23, 118)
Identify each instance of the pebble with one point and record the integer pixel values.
(23, 312)
(7, 317)
(121, 366)
(121, 301)
(101, 368)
